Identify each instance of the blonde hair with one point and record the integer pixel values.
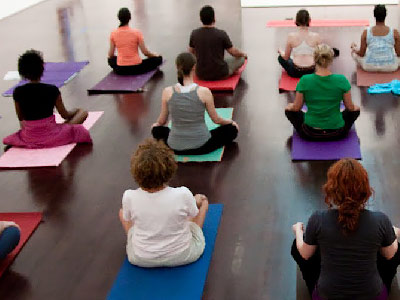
(323, 55)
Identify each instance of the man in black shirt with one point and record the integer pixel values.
(209, 44)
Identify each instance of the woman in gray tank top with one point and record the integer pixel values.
(187, 102)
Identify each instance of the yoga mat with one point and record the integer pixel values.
(319, 23)
(370, 78)
(287, 83)
(177, 283)
(216, 155)
(27, 222)
(228, 84)
(114, 83)
(349, 147)
(47, 157)
(57, 74)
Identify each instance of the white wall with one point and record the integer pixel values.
(9, 7)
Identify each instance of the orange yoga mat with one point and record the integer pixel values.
(287, 83)
(320, 23)
(370, 78)
(228, 84)
(28, 222)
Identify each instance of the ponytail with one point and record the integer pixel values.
(184, 65)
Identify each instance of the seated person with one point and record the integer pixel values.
(163, 224)
(298, 58)
(128, 41)
(322, 92)
(34, 105)
(187, 102)
(380, 46)
(9, 238)
(209, 43)
(348, 251)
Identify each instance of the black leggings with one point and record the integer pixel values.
(311, 268)
(308, 133)
(291, 68)
(220, 137)
(147, 65)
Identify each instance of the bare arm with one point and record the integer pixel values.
(288, 50)
(305, 250)
(363, 45)
(236, 52)
(146, 51)
(396, 42)
(348, 103)
(111, 51)
(65, 114)
(389, 251)
(297, 104)
(163, 117)
(207, 98)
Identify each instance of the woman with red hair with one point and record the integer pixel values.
(347, 251)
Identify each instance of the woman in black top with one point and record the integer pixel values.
(347, 252)
(34, 106)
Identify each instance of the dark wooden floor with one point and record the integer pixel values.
(77, 251)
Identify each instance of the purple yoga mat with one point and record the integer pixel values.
(55, 73)
(334, 150)
(114, 83)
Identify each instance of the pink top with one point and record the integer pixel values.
(127, 41)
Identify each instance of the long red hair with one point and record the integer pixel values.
(348, 188)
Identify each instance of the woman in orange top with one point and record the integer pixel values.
(128, 41)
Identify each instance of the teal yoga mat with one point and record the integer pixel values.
(216, 155)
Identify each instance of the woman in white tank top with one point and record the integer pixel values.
(298, 59)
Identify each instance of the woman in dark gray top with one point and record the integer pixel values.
(347, 252)
(187, 102)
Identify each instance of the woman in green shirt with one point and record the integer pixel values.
(322, 92)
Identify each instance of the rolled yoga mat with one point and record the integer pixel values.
(56, 73)
(176, 283)
(320, 23)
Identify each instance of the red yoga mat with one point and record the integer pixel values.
(370, 78)
(320, 23)
(287, 83)
(228, 84)
(27, 222)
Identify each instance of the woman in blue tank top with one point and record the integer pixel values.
(187, 102)
(380, 46)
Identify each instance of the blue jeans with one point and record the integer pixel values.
(9, 239)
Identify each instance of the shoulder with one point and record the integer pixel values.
(307, 78)
(167, 92)
(377, 215)
(221, 32)
(181, 191)
(340, 77)
(50, 88)
(128, 194)
(136, 31)
(203, 91)
(292, 35)
(395, 32)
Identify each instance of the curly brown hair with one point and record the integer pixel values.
(153, 164)
(348, 188)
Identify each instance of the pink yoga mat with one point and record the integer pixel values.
(320, 23)
(287, 83)
(228, 84)
(370, 78)
(48, 157)
(27, 222)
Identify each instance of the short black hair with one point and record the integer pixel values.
(31, 65)
(124, 16)
(207, 15)
(380, 13)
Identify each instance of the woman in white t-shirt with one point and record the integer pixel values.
(163, 224)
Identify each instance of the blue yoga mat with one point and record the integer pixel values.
(178, 283)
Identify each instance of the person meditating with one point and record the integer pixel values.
(298, 58)
(128, 41)
(322, 92)
(187, 102)
(34, 106)
(9, 238)
(347, 251)
(209, 43)
(380, 46)
(163, 224)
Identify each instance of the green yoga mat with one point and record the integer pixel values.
(216, 155)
